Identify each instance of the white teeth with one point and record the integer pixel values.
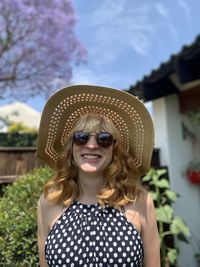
(91, 156)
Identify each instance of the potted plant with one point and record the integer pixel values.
(193, 172)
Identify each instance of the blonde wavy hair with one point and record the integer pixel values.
(122, 178)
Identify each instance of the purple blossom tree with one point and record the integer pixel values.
(38, 46)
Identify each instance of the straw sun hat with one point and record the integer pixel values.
(127, 113)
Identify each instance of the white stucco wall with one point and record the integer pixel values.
(176, 153)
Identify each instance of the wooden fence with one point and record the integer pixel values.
(15, 161)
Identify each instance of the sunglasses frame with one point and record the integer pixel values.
(102, 141)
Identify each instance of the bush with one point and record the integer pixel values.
(18, 139)
(18, 224)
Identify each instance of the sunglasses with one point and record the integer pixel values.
(103, 139)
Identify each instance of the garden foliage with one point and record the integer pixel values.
(18, 227)
(169, 225)
(18, 139)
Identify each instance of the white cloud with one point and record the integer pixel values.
(162, 10)
(116, 26)
(86, 75)
(165, 13)
(121, 33)
(184, 5)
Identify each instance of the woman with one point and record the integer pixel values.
(94, 211)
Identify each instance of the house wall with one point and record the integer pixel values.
(176, 152)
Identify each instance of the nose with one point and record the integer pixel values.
(92, 143)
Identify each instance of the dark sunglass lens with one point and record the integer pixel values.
(80, 138)
(104, 139)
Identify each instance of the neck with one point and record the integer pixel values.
(90, 186)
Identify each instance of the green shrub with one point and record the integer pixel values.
(18, 139)
(18, 226)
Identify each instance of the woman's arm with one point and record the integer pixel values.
(150, 235)
(42, 230)
(47, 215)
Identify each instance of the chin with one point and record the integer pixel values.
(89, 170)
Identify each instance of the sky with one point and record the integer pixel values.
(127, 39)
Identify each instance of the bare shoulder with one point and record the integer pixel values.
(145, 206)
(43, 203)
(135, 212)
(145, 202)
(48, 210)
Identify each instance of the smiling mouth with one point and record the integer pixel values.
(91, 156)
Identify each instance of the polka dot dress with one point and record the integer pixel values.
(92, 236)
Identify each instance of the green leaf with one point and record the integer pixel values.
(146, 178)
(178, 226)
(182, 237)
(163, 183)
(171, 195)
(172, 255)
(161, 172)
(154, 195)
(164, 214)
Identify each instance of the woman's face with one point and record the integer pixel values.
(91, 157)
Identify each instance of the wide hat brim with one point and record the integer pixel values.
(127, 113)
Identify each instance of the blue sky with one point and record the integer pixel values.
(127, 39)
